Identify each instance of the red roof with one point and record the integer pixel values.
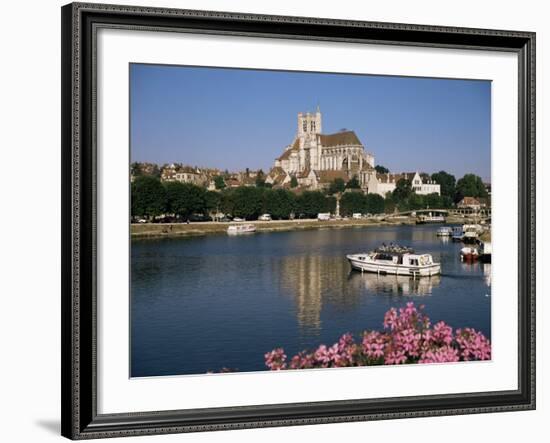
(339, 139)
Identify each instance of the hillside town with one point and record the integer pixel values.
(333, 170)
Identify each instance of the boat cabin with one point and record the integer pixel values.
(404, 259)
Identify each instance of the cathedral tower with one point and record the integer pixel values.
(309, 123)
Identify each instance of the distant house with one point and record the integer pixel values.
(383, 183)
(182, 174)
(189, 175)
(470, 203)
(168, 173)
(232, 182)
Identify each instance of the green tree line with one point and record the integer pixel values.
(151, 197)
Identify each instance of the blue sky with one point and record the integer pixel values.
(235, 118)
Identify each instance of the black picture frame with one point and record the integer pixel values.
(79, 170)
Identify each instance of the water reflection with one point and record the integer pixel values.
(312, 281)
(393, 284)
(487, 273)
(205, 303)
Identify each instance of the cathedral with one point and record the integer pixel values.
(316, 159)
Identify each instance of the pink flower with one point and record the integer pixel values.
(374, 344)
(302, 360)
(276, 359)
(396, 357)
(409, 338)
(444, 354)
(390, 319)
(443, 333)
(473, 345)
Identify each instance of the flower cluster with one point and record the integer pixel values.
(408, 337)
(276, 359)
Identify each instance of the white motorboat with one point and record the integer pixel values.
(395, 261)
(445, 231)
(241, 229)
(471, 233)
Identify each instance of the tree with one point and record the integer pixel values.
(390, 203)
(280, 203)
(374, 204)
(330, 204)
(403, 189)
(212, 200)
(352, 202)
(219, 182)
(135, 169)
(353, 183)
(338, 185)
(248, 202)
(260, 179)
(433, 201)
(470, 185)
(447, 183)
(311, 203)
(381, 169)
(293, 182)
(414, 201)
(185, 199)
(148, 197)
(446, 202)
(227, 202)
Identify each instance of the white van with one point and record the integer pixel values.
(357, 216)
(323, 216)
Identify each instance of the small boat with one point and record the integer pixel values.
(469, 254)
(445, 231)
(241, 229)
(471, 233)
(395, 260)
(458, 233)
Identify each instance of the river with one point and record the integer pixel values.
(204, 303)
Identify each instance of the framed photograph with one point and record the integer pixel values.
(273, 221)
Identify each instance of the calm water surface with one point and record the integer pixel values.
(205, 303)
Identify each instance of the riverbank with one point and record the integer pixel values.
(154, 230)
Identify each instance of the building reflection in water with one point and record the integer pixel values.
(313, 281)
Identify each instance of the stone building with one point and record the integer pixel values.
(314, 157)
(183, 174)
(383, 183)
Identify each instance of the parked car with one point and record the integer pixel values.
(238, 219)
(264, 217)
(142, 220)
(199, 218)
(357, 216)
